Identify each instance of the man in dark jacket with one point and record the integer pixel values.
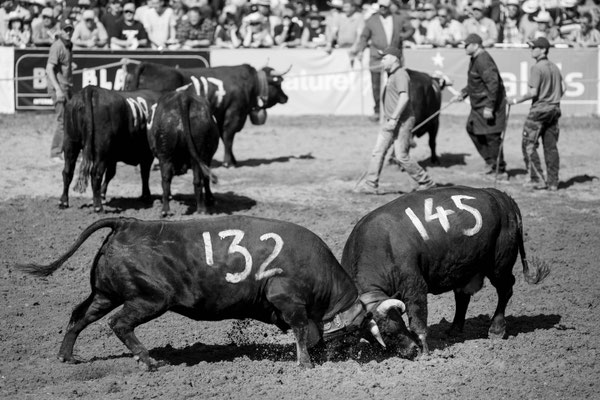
(487, 119)
(383, 29)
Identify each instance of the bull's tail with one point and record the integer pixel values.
(185, 108)
(88, 142)
(45, 270)
(539, 268)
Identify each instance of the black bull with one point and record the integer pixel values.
(182, 135)
(213, 269)
(109, 126)
(435, 241)
(234, 93)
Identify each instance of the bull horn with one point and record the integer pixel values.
(374, 329)
(282, 73)
(385, 306)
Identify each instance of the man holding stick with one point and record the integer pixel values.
(546, 87)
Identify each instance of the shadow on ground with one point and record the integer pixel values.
(255, 162)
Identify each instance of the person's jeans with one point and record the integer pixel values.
(489, 146)
(376, 86)
(399, 136)
(56, 148)
(542, 122)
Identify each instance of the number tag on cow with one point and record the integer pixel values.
(441, 214)
(235, 247)
(139, 111)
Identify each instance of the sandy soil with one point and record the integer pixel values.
(300, 170)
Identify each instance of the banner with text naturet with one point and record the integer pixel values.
(318, 83)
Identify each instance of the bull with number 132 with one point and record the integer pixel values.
(435, 241)
(214, 269)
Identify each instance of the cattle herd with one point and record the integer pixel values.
(238, 267)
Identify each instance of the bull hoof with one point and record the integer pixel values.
(435, 160)
(149, 364)
(497, 334)
(164, 214)
(306, 365)
(98, 209)
(454, 331)
(69, 360)
(62, 205)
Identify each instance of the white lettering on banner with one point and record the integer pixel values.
(104, 83)
(235, 247)
(574, 89)
(120, 77)
(88, 77)
(327, 82)
(39, 79)
(442, 215)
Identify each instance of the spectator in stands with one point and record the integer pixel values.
(382, 30)
(428, 14)
(313, 34)
(264, 8)
(482, 26)
(419, 35)
(258, 33)
(198, 30)
(130, 34)
(345, 31)
(588, 35)
(444, 31)
(76, 11)
(44, 33)
(527, 24)
(159, 22)
(509, 32)
(288, 33)
(568, 19)
(545, 29)
(16, 36)
(227, 32)
(4, 11)
(300, 12)
(111, 18)
(89, 33)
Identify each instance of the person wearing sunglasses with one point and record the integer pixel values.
(130, 34)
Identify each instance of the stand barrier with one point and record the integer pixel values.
(318, 83)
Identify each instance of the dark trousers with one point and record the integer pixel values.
(488, 147)
(376, 85)
(542, 122)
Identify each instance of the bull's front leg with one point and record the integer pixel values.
(111, 170)
(200, 206)
(67, 174)
(166, 172)
(98, 171)
(416, 308)
(145, 167)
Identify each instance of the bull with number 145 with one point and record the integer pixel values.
(434, 241)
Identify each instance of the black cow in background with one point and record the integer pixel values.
(183, 135)
(234, 93)
(111, 128)
(435, 241)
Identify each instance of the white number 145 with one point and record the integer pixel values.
(441, 214)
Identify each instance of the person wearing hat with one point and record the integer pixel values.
(43, 34)
(313, 33)
(198, 30)
(568, 17)
(509, 31)
(227, 32)
(482, 26)
(129, 33)
(288, 33)
(545, 28)
(89, 33)
(15, 35)
(257, 33)
(112, 17)
(396, 128)
(487, 119)
(546, 88)
(59, 75)
(527, 24)
(444, 30)
(382, 29)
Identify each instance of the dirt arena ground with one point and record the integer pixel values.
(301, 170)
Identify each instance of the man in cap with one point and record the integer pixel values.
(89, 33)
(344, 30)
(396, 128)
(44, 33)
(382, 29)
(487, 119)
(481, 25)
(60, 82)
(546, 87)
(130, 34)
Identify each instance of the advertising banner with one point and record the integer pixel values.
(31, 94)
(318, 83)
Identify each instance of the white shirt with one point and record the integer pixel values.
(388, 27)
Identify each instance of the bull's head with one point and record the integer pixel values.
(388, 317)
(273, 93)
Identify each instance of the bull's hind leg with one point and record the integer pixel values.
(111, 170)
(166, 172)
(504, 289)
(91, 309)
(67, 174)
(145, 167)
(133, 314)
(198, 178)
(97, 174)
(462, 303)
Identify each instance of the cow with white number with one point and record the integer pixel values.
(114, 129)
(234, 93)
(232, 267)
(184, 135)
(434, 241)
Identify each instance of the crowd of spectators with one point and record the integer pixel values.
(190, 24)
